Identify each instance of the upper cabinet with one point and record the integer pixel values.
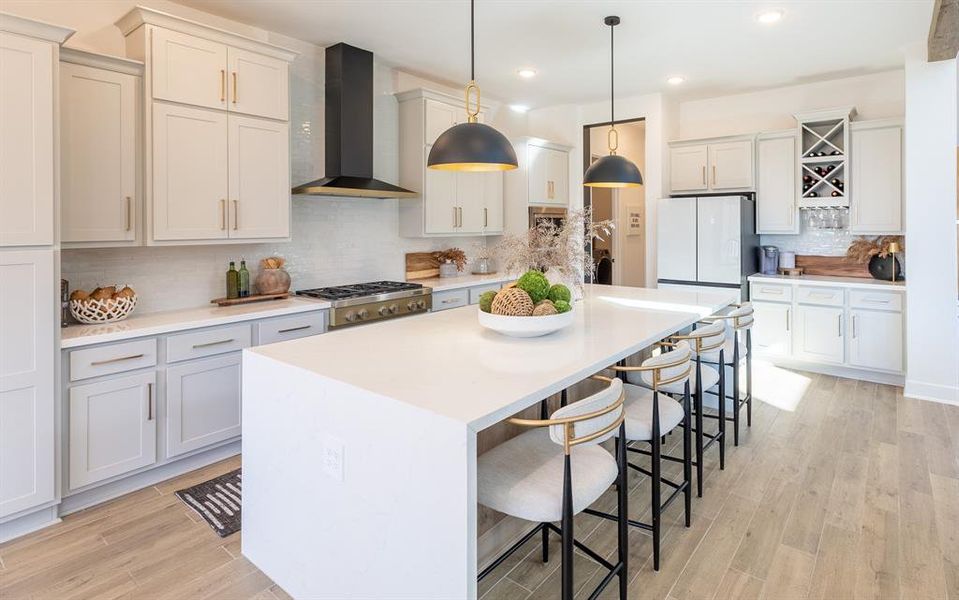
(27, 121)
(217, 149)
(450, 202)
(876, 164)
(721, 165)
(99, 150)
(776, 164)
(541, 179)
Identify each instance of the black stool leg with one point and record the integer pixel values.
(736, 389)
(749, 378)
(566, 569)
(563, 398)
(656, 481)
(545, 544)
(722, 411)
(623, 512)
(687, 454)
(698, 404)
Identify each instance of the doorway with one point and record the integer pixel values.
(620, 260)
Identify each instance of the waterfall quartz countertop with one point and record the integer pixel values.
(826, 280)
(157, 323)
(441, 284)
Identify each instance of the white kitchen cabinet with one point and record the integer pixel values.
(687, 168)
(27, 117)
(819, 334)
(113, 427)
(99, 153)
(259, 173)
(875, 340)
(27, 374)
(259, 84)
(731, 165)
(202, 403)
(190, 173)
(450, 202)
(716, 165)
(188, 69)
(876, 172)
(548, 175)
(772, 329)
(776, 210)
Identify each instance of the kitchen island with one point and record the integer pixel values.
(359, 446)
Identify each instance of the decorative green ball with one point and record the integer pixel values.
(486, 301)
(560, 292)
(562, 306)
(535, 284)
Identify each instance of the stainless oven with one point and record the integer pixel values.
(556, 214)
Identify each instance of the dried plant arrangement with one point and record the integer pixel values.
(558, 248)
(453, 255)
(864, 248)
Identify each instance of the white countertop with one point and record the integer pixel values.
(445, 363)
(440, 284)
(175, 320)
(824, 280)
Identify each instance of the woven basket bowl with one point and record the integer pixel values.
(102, 311)
(524, 327)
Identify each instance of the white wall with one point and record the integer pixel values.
(335, 240)
(931, 290)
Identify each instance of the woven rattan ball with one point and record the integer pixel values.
(512, 302)
(543, 308)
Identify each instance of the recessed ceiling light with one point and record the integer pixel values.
(768, 17)
(526, 73)
(675, 80)
(518, 108)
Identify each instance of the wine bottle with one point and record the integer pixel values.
(232, 282)
(813, 195)
(829, 168)
(244, 280)
(834, 194)
(806, 187)
(835, 152)
(807, 178)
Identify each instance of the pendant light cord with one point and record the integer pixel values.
(612, 79)
(472, 40)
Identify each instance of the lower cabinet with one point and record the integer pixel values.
(772, 329)
(875, 340)
(113, 428)
(202, 403)
(819, 333)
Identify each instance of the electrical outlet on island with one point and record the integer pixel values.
(333, 458)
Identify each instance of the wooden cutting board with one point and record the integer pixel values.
(836, 266)
(421, 265)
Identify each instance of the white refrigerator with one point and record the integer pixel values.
(707, 241)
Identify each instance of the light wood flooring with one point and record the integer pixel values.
(845, 490)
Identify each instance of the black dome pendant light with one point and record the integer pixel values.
(472, 146)
(612, 171)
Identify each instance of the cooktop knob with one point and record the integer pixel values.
(421, 304)
(363, 313)
(411, 306)
(383, 311)
(350, 316)
(393, 308)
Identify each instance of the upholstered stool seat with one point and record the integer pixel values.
(523, 477)
(645, 379)
(639, 413)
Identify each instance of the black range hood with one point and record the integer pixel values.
(349, 129)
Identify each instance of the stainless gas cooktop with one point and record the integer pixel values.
(373, 301)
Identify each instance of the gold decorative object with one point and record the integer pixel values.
(892, 248)
(512, 302)
(543, 308)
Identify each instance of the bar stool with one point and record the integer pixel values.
(553, 472)
(649, 416)
(736, 349)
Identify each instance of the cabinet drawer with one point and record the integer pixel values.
(825, 296)
(105, 360)
(290, 328)
(877, 300)
(197, 344)
(450, 299)
(774, 292)
(476, 292)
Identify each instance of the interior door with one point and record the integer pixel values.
(98, 154)
(259, 85)
(720, 237)
(259, 172)
(190, 180)
(188, 69)
(676, 239)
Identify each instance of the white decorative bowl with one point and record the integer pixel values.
(92, 311)
(525, 327)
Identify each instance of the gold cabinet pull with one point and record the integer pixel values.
(787, 319)
(234, 87)
(222, 85)
(129, 209)
(714, 174)
(97, 363)
(149, 401)
(454, 216)
(223, 214)
(216, 343)
(289, 329)
(839, 325)
(485, 217)
(704, 174)
(236, 215)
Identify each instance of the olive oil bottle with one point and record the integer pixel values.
(232, 282)
(244, 280)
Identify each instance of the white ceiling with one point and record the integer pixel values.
(717, 45)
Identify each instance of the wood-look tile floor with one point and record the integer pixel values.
(841, 489)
